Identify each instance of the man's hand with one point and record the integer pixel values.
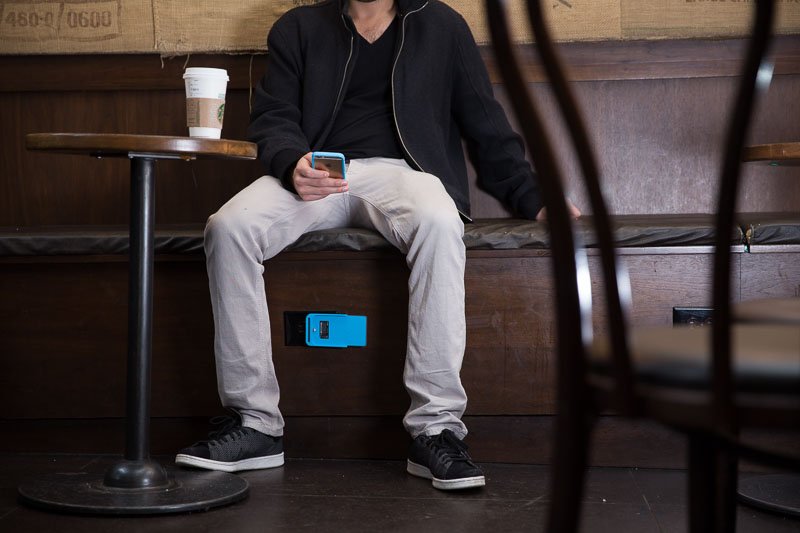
(573, 211)
(312, 184)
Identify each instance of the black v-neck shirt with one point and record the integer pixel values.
(364, 126)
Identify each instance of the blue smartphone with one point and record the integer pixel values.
(333, 162)
(335, 330)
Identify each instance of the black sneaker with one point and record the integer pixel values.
(232, 448)
(444, 459)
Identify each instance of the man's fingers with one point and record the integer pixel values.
(321, 185)
(312, 173)
(335, 184)
(314, 189)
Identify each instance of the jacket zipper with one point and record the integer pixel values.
(344, 75)
(394, 108)
(394, 67)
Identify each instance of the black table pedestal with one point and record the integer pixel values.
(136, 484)
(85, 493)
(778, 493)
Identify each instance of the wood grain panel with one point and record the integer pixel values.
(667, 59)
(607, 60)
(121, 72)
(63, 328)
(662, 282)
(770, 275)
(657, 143)
(364, 381)
(64, 324)
(507, 365)
(56, 189)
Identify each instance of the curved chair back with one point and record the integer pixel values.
(572, 284)
(573, 303)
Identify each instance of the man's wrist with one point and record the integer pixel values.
(283, 164)
(530, 204)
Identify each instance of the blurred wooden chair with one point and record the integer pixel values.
(707, 383)
(776, 492)
(769, 310)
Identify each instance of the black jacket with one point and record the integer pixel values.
(441, 94)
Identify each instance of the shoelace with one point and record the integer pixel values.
(227, 426)
(447, 445)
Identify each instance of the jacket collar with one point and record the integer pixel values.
(403, 6)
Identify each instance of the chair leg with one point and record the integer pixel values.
(712, 486)
(701, 484)
(727, 480)
(570, 456)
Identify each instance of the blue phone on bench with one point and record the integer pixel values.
(335, 330)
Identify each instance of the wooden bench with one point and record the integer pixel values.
(65, 321)
(63, 315)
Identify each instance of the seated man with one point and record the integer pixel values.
(394, 85)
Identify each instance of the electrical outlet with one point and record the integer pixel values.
(692, 316)
(294, 327)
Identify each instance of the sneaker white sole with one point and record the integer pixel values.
(254, 463)
(445, 484)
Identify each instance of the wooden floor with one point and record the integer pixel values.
(321, 496)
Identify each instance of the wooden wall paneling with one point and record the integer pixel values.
(661, 282)
(658, 144)
(635, 60)
(11, 155)
(655, 110)
(508, 362)
(88, 333)
(121, 72)
(75, 326)
(55, 189)
(62, 340)
(770, 274)
(657, 141)
(184, 377)
(606, 60)
(354, 381)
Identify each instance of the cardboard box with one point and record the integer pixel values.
(234, 26)
(76, 27)
(177, 27)
(569, 20)
(678, 19)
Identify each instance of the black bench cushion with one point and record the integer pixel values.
(629, 231)
(771, 228)
(494, 234)
(94, 240)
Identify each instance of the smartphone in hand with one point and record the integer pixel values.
(333, 162)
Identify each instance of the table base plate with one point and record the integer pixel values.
(84, 493)
(778, 493)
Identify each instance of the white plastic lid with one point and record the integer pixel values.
(205, 72)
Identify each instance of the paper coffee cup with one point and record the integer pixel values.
(205, 101)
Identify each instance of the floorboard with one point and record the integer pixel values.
(334, 495)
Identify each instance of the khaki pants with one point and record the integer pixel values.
(412, 211)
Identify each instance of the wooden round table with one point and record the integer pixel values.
(774, 492)
(136, 484)
(776, 155)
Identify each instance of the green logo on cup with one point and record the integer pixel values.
(220, 113)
